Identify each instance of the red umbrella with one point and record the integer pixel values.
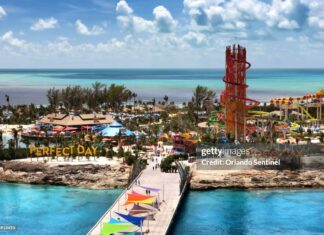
(70, 128)
(85, 127)
(58, 128)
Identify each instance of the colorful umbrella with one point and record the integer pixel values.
(138, 221)
(70, 128)
(110, 228)
(58, 128)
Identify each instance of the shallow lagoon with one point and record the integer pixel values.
(251, 212)
(48, 210)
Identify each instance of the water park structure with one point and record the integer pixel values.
(301, 105)
(233, 98)
(240, 117)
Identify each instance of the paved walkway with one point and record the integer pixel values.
(170, 192)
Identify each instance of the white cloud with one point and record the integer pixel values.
(238, 14)
(288, 14)
(163, 20)
(135, 23)
(290, 39)
(43, 24)
(123, 8)
(11, 40)
(288, 24)
(2, 12)
(316, 22)
(316, 14)
(195, 39)
(84, 30)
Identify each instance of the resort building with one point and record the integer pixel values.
(183, 143)
(57, 119)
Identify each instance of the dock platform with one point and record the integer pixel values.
(169, 198)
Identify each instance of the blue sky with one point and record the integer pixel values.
(159, 33)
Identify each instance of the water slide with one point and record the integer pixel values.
(213, 119)
(294, 127)
(259, 114)
(310, 117)
(249, 103)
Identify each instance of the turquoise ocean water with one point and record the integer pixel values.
(53, 210)
(26, 86)
(259, 212)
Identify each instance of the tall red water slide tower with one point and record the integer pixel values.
(233, 99)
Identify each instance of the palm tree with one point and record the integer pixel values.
(89, 99)
(98, 93)
(53, 97)
(200, 95)
(116, 96)
(15, 136)
(134, 95)
(166, 99)
(1, 139)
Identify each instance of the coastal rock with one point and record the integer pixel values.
(202, 180)
(87, 175)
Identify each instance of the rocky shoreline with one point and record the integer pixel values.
(249, 179)
(110, 176)
(87, 175)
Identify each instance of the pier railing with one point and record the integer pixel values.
(124, 192)
(184, 176)
(136, 170)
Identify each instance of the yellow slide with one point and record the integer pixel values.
(311, 118)
(260, 114)
(294, 127)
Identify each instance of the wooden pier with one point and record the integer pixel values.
(169, 198)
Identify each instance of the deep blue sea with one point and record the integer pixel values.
(54, 210)
(259, 212)
(26, 86)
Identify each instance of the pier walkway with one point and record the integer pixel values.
(168, 197)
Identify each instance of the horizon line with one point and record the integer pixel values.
(147, 68)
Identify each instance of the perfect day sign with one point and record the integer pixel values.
(79, 150)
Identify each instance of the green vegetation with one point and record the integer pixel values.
(98, 97)
(11, 154)
(167, 164)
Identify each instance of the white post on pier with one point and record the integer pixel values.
(163, 194)
(148, 224)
